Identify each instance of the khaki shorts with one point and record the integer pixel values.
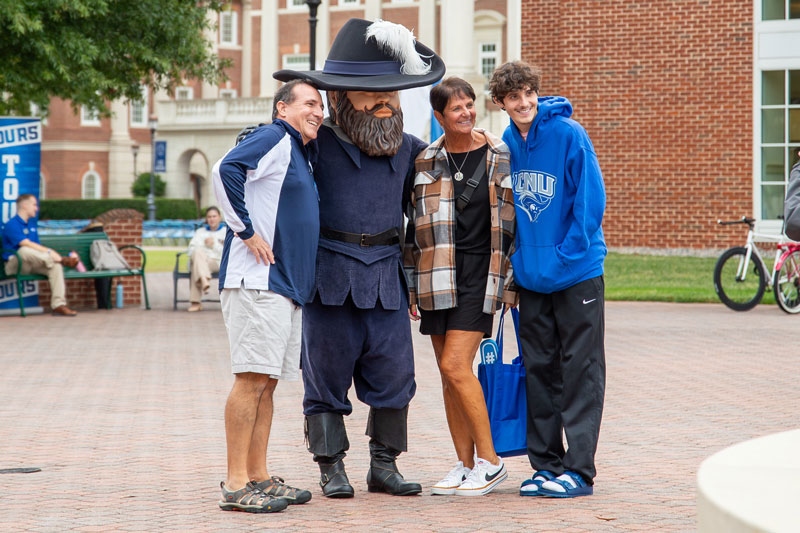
(264, 331)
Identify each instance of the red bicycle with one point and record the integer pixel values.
(741, 277)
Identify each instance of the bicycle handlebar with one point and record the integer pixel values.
(744, 220)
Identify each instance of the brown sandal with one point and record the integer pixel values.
(250, 500)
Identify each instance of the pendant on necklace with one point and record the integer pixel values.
(459, 176)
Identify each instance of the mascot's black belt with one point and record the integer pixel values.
(390, 236)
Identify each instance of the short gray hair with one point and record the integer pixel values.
(286, 93)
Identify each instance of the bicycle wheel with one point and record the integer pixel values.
(737, 289)
(787, 283)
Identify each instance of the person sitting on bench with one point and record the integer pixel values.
(205, 249)
(21, 235)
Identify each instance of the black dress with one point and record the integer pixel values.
(473, 252)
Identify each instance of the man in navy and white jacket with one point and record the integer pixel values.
(266, 190)
(558, 264)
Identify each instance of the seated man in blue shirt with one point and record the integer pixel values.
(20, 234)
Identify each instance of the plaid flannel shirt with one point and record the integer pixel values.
(429, 253)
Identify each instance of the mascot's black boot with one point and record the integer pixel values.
(387, 429)
(327, 440)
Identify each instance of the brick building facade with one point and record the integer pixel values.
(675, 98)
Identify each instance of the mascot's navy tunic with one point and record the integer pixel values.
(357, 328)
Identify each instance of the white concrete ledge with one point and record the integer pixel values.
(751, 486)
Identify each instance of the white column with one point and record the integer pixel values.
(458, 45)
(120, 157)
(323, 34)
(210, 90)
(513, 30)
(372, 9)
(426, 26)
(269, 47)
(247, 48)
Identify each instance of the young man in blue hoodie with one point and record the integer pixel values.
(558, 265)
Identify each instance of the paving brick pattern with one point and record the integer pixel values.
(123, 412)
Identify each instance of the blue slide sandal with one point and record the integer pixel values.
(581, 488)
(532, 486)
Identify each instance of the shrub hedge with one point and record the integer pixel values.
(172, 208)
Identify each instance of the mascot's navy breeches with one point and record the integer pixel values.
(370, 348)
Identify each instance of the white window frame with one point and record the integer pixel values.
(98, 192)
(482, 54)
(770, 47)
(232, 16)
(285, 61)
(42, 186)
(188, 93)
(143, 103)
(89, 117)
(227, 93)
(349, 3)
(786, 11)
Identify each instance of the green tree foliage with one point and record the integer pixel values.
(141, 187)
(95, 51)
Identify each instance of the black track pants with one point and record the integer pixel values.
(562, 338)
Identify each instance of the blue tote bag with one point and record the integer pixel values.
(504, 390)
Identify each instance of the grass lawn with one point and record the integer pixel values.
(162, 260)
(663, 279)
(628, 277)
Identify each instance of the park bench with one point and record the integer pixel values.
(81, 244)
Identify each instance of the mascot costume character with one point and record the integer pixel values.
(356, 330)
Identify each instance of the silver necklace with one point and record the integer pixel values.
(458, 176)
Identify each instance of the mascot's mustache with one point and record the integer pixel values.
(378, 107)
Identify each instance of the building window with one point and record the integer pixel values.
(296, 4)
(780, 136)
(89, 117)
(296, 61)
(42, 187)
(139, 110)
(227, 28)
(91, 185)
(780, 9)
(227, 93)
(487, 56)
(184, 93)
(348, 2)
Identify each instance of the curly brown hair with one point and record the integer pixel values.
(511, 77)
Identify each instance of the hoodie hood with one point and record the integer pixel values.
(548, 107)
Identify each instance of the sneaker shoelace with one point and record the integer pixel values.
(477, 471)
(456, 476)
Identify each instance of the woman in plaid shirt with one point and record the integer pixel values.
(458, 245)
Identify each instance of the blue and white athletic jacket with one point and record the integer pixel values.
(265, 185)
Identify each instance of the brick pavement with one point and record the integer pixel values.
(122, 410)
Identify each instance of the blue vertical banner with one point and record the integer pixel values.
(20, 165)
(161, 156)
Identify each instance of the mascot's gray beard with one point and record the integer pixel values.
(374, 136)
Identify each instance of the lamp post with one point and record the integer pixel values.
(151, 198)
(312, 28)
(135, 152)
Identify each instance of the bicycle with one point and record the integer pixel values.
(741, 277)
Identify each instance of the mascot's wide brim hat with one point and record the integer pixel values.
(373, 56)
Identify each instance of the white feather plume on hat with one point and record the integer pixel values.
(398, 41)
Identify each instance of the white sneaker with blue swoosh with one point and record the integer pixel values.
(483, 478)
